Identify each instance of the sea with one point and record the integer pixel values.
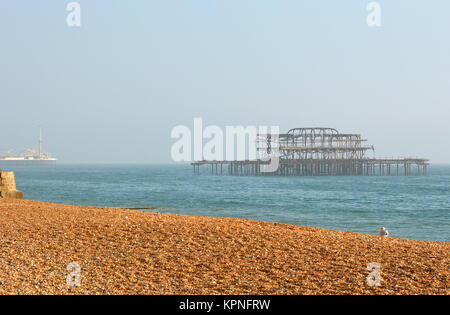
(414, 207)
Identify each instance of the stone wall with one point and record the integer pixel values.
(8, 186)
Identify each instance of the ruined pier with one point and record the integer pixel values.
(316, 152)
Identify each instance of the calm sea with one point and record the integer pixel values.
(409, 207)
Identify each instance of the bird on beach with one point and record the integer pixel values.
(383, 231)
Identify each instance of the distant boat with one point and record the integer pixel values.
(30, 157)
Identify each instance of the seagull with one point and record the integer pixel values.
(383, 231)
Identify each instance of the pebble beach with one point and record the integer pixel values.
(124, 251)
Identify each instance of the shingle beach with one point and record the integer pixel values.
(123, 251)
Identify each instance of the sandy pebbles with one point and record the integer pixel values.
(134, 252)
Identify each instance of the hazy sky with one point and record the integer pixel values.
(113, 89)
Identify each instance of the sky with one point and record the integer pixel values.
(111, 90)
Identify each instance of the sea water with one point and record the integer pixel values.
(415, 207)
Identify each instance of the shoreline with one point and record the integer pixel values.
(122, 251)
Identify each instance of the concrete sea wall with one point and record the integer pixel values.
(8, 186)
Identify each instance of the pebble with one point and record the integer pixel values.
(122, 251)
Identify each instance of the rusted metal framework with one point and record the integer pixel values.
(318, 152)
(316, 143)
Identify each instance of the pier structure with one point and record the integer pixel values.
(317, 152)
